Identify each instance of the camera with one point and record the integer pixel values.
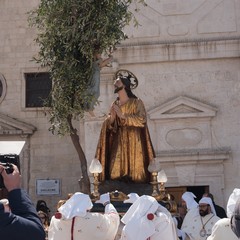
(7, 162)
(8, 168)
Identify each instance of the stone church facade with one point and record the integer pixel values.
(185, 54)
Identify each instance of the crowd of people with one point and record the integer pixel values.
(145, 219)
(207, 221)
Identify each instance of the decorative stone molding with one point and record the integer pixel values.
(186, 147)
(182, 107)
(195, 156)
(195, 167)
(209, 17)
(177, 50)
(183, 123)
(11, 126)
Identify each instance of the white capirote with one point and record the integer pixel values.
(232, 201)
(77, 205)
(147, 219)
(188, 197)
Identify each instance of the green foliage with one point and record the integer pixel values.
(68, 31)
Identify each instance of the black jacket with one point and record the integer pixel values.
(23, 222)
(220, 211)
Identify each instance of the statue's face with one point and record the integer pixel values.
(118, 85)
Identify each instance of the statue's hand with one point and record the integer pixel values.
(118, 111)
(112, 114)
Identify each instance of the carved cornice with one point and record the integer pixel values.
(156, 51)
(176, 41)
(194, 156)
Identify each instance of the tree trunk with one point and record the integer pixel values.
(84, 181)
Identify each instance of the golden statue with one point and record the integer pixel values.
(125, 148)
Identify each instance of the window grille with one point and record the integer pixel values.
(38, 87)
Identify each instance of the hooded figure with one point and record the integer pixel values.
(199, 226)
(235, 195)
(188, 198)
(188, 201)
(77, 205)
(228, 228)
(147, 219)
(208, 200)
(235, 219)
(74, 221)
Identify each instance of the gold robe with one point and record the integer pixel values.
(125, 148)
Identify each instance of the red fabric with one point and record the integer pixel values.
(150, 216)
(72, 228)
(58, 215)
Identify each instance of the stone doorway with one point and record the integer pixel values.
(177, 192)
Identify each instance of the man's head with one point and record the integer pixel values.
(42, 206)
(181, 209)
(204, 209)
(183, 203)
(206, 206)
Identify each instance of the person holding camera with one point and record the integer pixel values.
(22, 222)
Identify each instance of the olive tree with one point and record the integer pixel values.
(67, 33)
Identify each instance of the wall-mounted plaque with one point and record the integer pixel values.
(48, 187)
